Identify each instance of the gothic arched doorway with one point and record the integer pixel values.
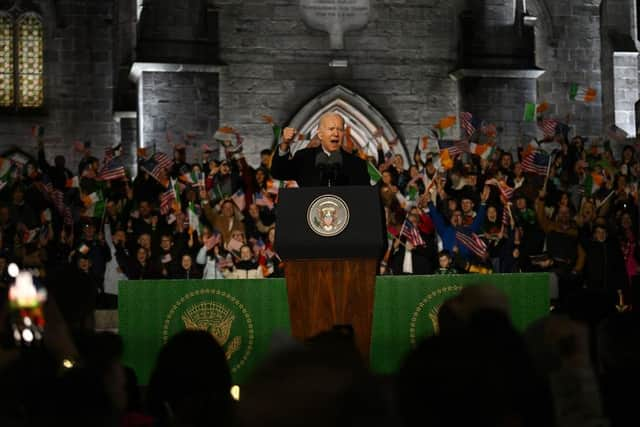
(362, 118)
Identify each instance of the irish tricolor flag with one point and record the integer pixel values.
(483, 150)
(582, 93)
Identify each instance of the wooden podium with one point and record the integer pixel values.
(331, 279)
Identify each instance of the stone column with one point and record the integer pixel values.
(497, 71)
(176, 72)
(619, 61)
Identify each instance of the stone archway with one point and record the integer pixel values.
(362, 117)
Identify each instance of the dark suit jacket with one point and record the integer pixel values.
(302, 168)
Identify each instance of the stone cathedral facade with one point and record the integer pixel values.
(152, 72)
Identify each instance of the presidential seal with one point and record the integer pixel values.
(328, 215)
(219, 314)
(424, 321)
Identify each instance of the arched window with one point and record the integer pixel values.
(21, 62)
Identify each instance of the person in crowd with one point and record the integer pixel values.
(246, 267)
(445, 263)
(190, 383)
(225, 220)
(187, 269)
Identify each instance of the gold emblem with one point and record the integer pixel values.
(216, 319)
(218, 313)
(424, 321)
(328, 215)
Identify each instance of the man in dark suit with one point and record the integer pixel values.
(326, 165)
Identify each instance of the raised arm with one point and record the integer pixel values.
(281, 165)
(479, 219)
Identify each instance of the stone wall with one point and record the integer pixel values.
(78, 81)
(571, 54)
(399, 62)
(181, 103)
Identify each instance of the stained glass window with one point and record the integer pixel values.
(30, 79)
(6, 60)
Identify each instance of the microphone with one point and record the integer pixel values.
(329, 167)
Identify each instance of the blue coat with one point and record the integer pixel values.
(447, 232)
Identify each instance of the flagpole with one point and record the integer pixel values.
(104, 212)
(546, 178)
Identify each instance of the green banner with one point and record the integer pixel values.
(241, 314)
(244, 314)
(406, 308)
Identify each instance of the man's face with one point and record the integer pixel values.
(467, 205)
(413, 219)
(600, 234)
(165, 243)
(120, 236)
(224, 168)
(521, 203)
(18, 196)
(517, 169)
(444, 261)
(398, 162)
(505, 161)
(431, 169)
(386, 178)
(492, 213)
(186, 262)
(253, 211)
(245, 253)
(264, 158)
(145, 209)
(456, 218)
(330, 132)
(564, 215)
(227, 209)
(141, 255)
(83, 264)
(145, 241)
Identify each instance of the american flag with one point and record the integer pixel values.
(536, 162)
(412, 233)
(163, 161)
(112, 170)
(505, 190)
(506, 219)
(548, 126)
(473, 242)
(454, 147)
(257, 246)
(262, 200)
(156, 164)
(57, 199)
(466, 123)
(166, 200)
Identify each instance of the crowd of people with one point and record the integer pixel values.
(565, 370)
(564, 206)
(561, 205)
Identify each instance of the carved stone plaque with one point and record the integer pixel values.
(335, 17)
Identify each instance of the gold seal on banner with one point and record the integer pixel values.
(328, 215)
(424, 321)
(218, 313)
